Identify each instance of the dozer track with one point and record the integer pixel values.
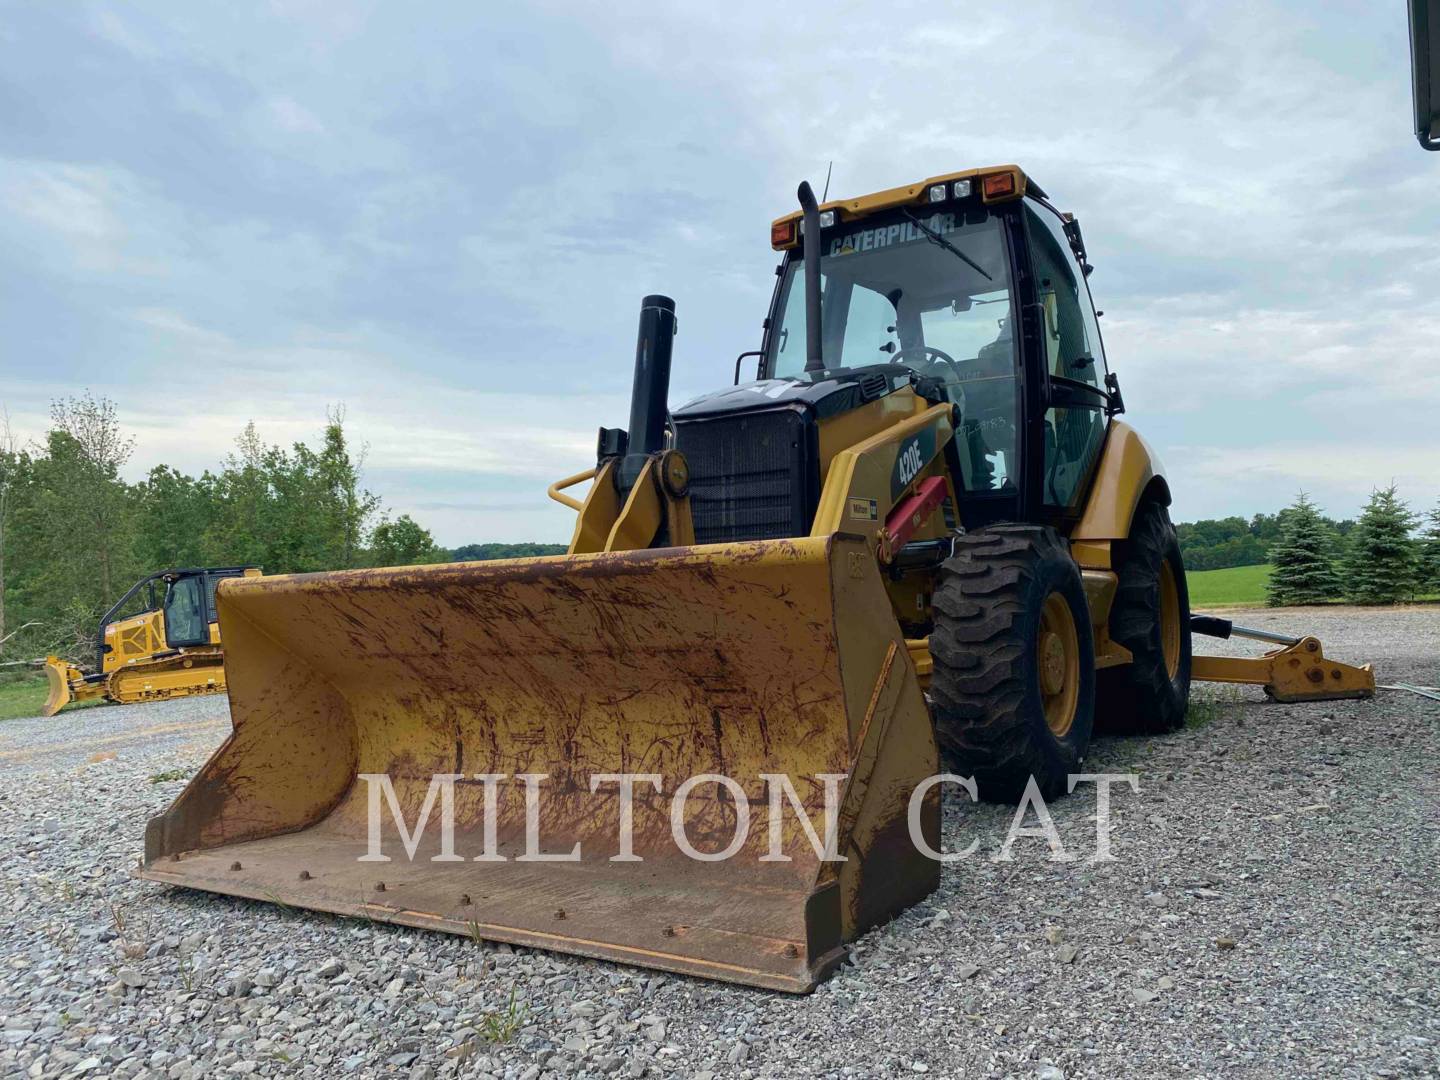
(195, 671)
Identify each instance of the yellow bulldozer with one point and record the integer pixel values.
(160, 640)
(700, 741)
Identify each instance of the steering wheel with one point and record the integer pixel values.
(924, 350)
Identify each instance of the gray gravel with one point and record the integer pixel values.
(1273, 911)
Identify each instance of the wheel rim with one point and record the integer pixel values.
(1058, 651)
(1169, 619)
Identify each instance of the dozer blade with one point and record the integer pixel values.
(57, 674)
(769, 657)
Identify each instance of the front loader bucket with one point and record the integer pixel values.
(742, 660)
(57, 674)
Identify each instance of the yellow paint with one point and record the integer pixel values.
(598, 513)
(1299, 672)
(641, 515)
(910, 194)
(139, 666)
(739, 659)
(844, 430)
(555, 490)
(1126, 467)
(864, 471)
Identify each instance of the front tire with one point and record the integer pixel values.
(1013, 686)
(1151, 618)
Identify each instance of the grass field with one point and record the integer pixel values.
(25, 696)
(22, 697)
(1238, 586)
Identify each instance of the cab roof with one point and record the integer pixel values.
(995, 183)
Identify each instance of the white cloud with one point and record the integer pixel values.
(446, 223)
(292, 118)
(106, 24)
(74, 206)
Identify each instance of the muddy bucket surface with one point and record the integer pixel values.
(776, 659)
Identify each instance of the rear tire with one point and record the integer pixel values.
(1013, 687)
(1151, 618)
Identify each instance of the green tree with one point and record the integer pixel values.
(484, 552)
(1384, 564)
(1430, 552)
(289, 511)
(1303, 571)
(174, 516)
(403, 542)
(89, 503)
(11, 464)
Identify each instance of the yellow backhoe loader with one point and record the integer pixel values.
(160, 640)
(921, 530)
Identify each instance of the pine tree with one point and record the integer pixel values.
(1384, 564)
(1303, 572)
(1430, 553)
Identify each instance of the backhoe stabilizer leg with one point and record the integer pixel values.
(1297, 672)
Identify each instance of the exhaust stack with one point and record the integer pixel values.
(651, 390)
(814, 361)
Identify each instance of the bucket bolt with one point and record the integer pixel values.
(379, 886)
(236, 866)
(304, 875)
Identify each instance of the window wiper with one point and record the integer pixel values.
(936, 238)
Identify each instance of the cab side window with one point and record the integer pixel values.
(1075, 432)
(185, 621)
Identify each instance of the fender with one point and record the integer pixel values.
(1129, 471)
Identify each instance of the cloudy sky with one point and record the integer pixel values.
(443, 216)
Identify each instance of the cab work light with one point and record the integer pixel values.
(962, 189)
(939, 192)
(827, 218)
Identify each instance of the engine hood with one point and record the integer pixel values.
(824, 394)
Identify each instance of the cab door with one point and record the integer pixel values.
(1072, 390)
(186, 624)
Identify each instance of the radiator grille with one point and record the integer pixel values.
(749, 475)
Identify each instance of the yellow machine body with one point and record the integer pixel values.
(644, 652)
(138, 664)
(741, 660)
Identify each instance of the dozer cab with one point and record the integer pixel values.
(926, 493)
(160, 640)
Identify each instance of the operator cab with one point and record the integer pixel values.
(974, 285)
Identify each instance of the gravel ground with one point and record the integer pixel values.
(1272, 911)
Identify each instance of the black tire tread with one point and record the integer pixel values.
(979, 687)
(1138, 698)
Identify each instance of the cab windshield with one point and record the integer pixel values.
(929, 290)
